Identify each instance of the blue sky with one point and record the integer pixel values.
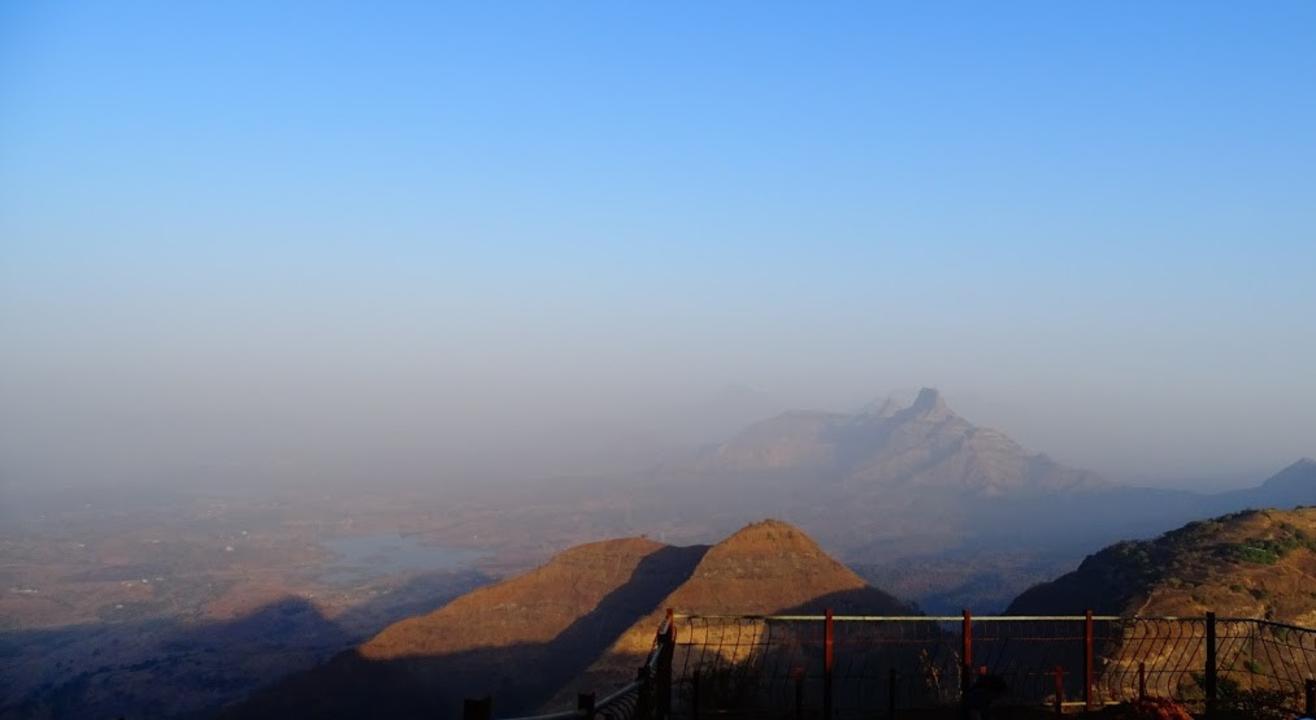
(298, 232)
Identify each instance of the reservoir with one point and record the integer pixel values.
(365, 557)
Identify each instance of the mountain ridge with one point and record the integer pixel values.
(767, 567)
(1252, 563)
(581, 617)
(900, 487)
(554, 618)
(922, 444)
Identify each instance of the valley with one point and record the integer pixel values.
(185, 604)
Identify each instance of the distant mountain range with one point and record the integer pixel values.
(578, 621)
(903, 487)
(922, 447)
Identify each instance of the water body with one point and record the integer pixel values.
(366, 557)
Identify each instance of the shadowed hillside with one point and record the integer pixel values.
(1256, 563)
(519, 639)
(166, 668)
(190, 667)
(580, 620)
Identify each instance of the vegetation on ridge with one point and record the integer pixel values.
(1255, 563)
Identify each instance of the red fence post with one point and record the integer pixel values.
(829, 640)
(1210, 677)
(966, 655)
(1088, 669)
(694, 695)
(1060, 691)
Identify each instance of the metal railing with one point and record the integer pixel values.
(832, 666)
(792, 666)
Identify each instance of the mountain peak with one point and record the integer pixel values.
(929, 403)
(766, 567)
(771, 566)
(771, 535)
(1300, 474)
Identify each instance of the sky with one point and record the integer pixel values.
(250, 242)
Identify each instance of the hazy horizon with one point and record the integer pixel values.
(246, 245)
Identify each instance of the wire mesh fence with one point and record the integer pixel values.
(1270, 661)
(850, 666)
(798, 666)
(1156, 657)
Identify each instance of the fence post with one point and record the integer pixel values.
(966, 656)
(1060, 690)
(891, 694)
(1142, 680)
(663, 686)
(694, 695)
(644, 697)
(1311, 698)
(829, 641)
(585, 704)
(798, 675)
(1210, 676)
(1088, 668)
(477, 708)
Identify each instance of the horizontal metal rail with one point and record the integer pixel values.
(907, 618)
